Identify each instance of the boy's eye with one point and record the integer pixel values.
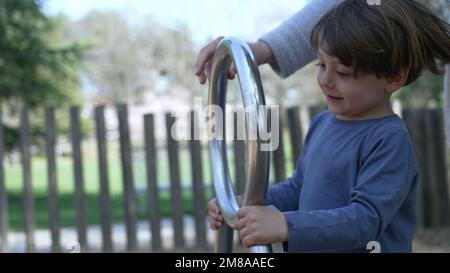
(343, 74)
(320, 65)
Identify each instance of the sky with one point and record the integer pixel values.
(246, 19)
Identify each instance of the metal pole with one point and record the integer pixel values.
(447, 104)
(232, 49)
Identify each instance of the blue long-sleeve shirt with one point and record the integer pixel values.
(355, 182)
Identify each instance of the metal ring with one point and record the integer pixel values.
(232, 49)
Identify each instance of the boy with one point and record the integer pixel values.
(356, 179)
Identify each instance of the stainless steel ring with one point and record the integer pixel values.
(232, 49)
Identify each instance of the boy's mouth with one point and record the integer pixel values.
(333, 99)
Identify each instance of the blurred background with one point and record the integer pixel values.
(87, 92)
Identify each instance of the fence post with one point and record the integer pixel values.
(130, 203)
(197, 180)
(437, 165)
(278, 154)
(316, 109)
(429, 161)
(152, 183)
(4, 225)
(28, 197)
(175, 184)
(415, 122)
(295, 133)
(224, 239)
(78, 175)
(105, 199)
(239, 153)
(53, 202)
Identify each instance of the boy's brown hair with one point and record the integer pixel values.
(382, 39)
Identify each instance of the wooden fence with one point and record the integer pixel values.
(425, 125)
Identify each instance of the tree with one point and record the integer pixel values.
(114, 65)
(126, 61)
(34, 71)
(173, 56)
(440, 7)
(428, 88)
(37, 70)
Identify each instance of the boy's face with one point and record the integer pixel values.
(352, 98)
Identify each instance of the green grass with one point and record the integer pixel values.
(65, 182)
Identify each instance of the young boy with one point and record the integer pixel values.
(356, 179)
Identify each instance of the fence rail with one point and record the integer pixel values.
(425, 126)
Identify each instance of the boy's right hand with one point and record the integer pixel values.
(215, 218)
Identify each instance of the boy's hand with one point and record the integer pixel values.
(215, 218)
(259, 225)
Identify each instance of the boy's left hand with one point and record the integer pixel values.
(259, 225)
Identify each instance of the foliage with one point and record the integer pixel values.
(37, 67)
(34, 71)
(429, 87)
(427, 90)
(124, 61)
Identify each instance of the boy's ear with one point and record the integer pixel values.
(397, 81)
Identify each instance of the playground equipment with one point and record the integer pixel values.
(233, 50)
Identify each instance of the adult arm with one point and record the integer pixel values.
(286, 48)
(290, 42)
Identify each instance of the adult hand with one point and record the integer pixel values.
(261, 51)
(204, 61)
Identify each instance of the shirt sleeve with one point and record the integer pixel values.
(385, 180)
(290, 41)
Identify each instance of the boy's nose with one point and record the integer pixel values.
(326, 80)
